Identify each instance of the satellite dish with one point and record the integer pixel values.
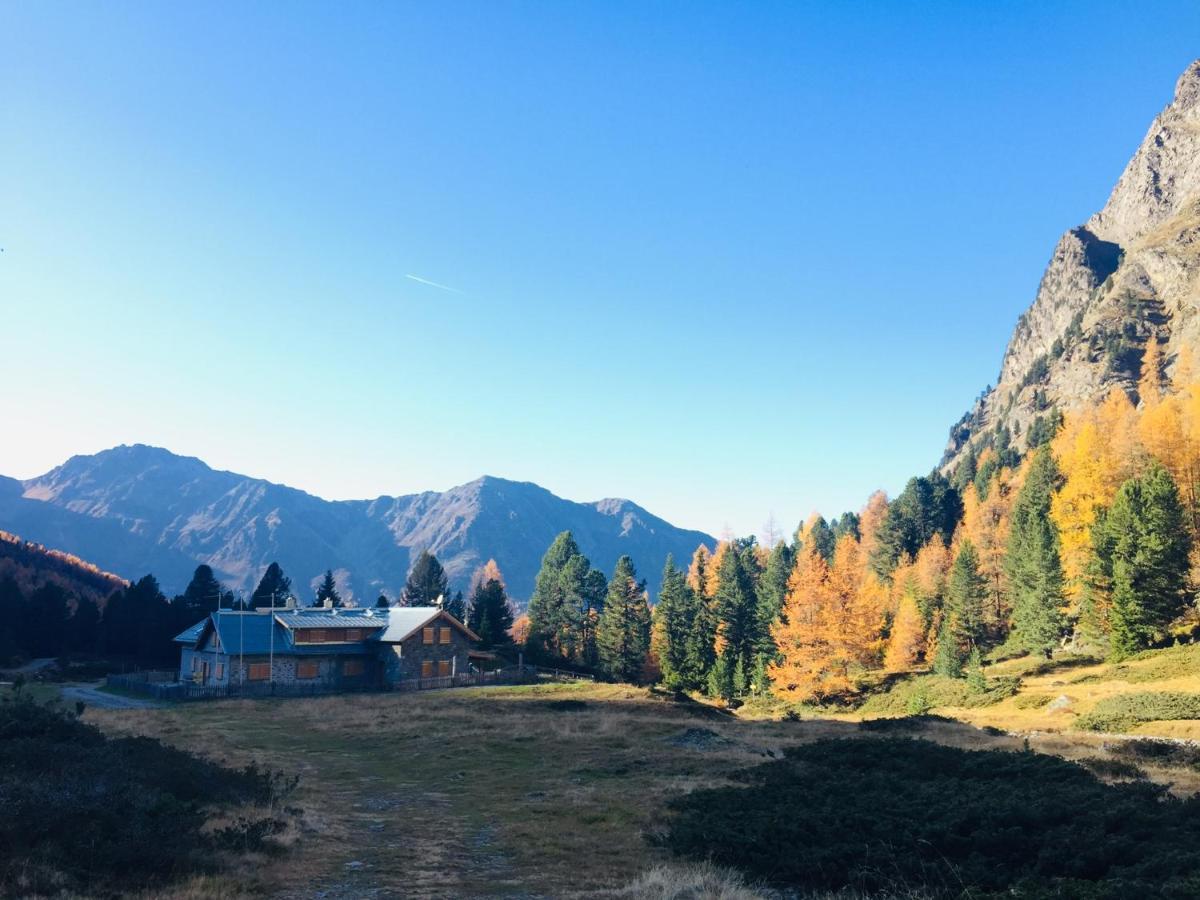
(441, 598)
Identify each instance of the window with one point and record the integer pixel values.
(308, 669)
(353, 634)
(443, 667)
(259, 671)
(195, 664)
(427, 667)
(220, 671)
(316, 635)
(446, 635)
(351, 667)
(427, 635)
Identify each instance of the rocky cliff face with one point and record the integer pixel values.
(1126, 277)
(142, 509)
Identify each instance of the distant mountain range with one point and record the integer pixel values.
(137, 509)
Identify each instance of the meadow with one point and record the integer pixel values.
(569, 790)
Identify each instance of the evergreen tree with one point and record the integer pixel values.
(328, 592)
(490, 614)
(83, 626)
(12, 613)
(737, 613)
(1032, 561)
(962, 626)
(381, 602)
(567, 600)
(1142, 548)
(273, 589)
(45, 621)
(456, 606)
(927, 506)
(817, 533)
(623, 635)
(674, 620)
(772, 589)
(426, 582)
(203, 594)
(720, 681)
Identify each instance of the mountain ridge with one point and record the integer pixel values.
(1126, 276)
(137, 508)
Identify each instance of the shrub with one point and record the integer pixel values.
(1126, 711)
(917, 695)
(1032, 701)
(1167, 754)
(878, 815)
(97, 815)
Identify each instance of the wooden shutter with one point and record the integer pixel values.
(259, 671)
(427, 668)
(446, 634)
(352, 667)
(427, 635)
(308, 669)
(443, 668)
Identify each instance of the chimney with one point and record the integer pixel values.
(328, 603)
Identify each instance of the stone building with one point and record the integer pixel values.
(323, 647)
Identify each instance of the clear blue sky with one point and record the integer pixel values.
(722, 259)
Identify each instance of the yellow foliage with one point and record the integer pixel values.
(907, 641)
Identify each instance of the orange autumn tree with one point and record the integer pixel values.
(831, 624)
(906, 643)
(985, 523)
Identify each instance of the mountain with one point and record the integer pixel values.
(137, 509)
(1126, 277)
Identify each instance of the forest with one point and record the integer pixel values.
(1086, 540)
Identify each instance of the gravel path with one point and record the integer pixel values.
(92, 696)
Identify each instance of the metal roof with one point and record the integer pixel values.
(191, 635)
(251, 632)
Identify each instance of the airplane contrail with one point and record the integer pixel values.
(440, 287)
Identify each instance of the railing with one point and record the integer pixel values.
(149, 684)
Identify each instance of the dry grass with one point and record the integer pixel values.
(514, 792)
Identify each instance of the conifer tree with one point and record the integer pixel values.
(906, 643)
(962, 618)
(426, 582)
(772, 589)
(674, 619)
(328, 591)
(737, 613)
(203, 594)
(1032, 562)
(381, 602)
(273, 589)
(702, 639)
(623, 636)
(927, 506)
(490, 615)
(568, 597)
(1143, 546)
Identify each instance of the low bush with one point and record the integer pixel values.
(90, 814)
(917, 695)
(1167, 754)
(1111, 768)
(1126, 711)
(892, 815)
(1032, 701)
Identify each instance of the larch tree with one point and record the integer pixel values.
(1032, 562)
(800, 633)
(623, 636)
(906, 643)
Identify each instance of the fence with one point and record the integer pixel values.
(151, 684)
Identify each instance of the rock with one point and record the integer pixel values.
(1127, 276)
(1062, 701)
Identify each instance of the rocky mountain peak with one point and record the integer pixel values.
(1128, 276)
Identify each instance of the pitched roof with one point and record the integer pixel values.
(259, 632)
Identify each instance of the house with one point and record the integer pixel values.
(324, 647)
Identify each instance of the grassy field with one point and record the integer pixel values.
(555, 790)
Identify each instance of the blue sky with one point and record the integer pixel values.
(727, 260)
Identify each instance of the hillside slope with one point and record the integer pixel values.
(135, 509)
(1126, 277)
(33, 565)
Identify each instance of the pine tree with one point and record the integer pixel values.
(736, 605)
(772, 589)
(83, 626)
(426, 582)
(1032, 562)
(273, 589)
(456, 606)
(204, 594)
(962, 617)
(490, 615)
(328, 592)
(926, 507)
(623, 637)
(381, 602)
(673, 623)
(1143, 546)
(567, 600)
